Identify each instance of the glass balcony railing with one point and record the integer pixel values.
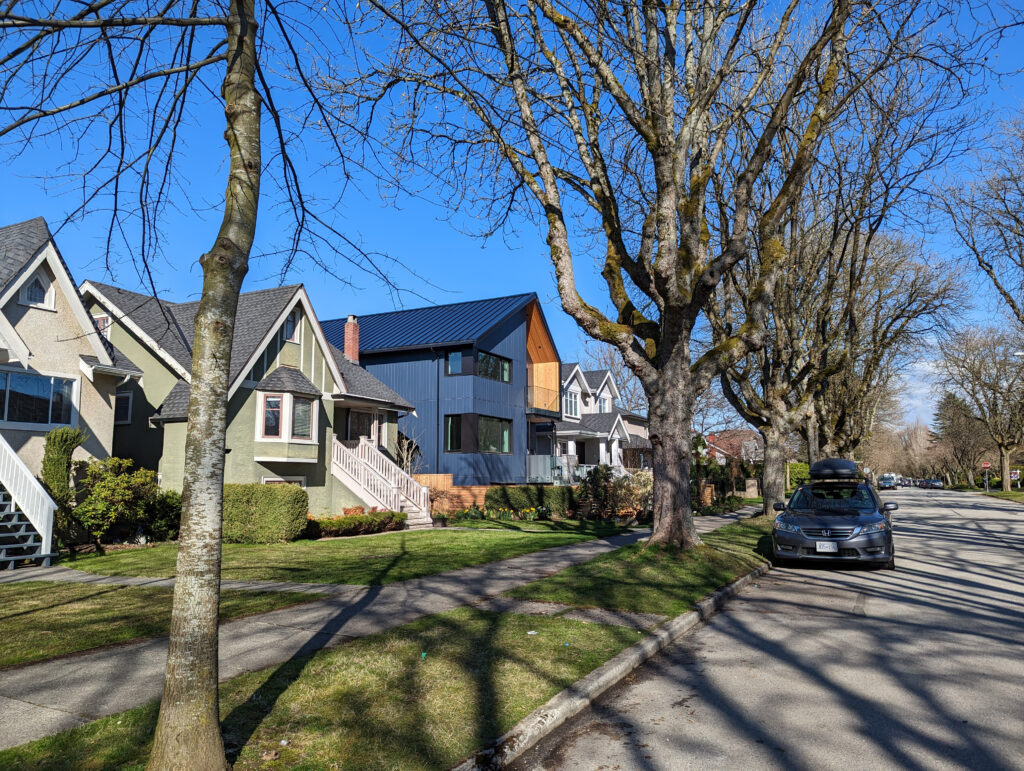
(543, 399)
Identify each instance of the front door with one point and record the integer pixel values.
(362, 424)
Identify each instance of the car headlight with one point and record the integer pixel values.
(781, 524)
(874, 527)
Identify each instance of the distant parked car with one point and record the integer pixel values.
(887, 482)
(837, 516)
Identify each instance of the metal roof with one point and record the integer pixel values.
(437, 325)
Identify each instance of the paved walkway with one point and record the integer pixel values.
(41, 699)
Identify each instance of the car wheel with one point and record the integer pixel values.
(890, 565)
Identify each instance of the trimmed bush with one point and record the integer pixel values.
(255, 513)
(355, 524)
(557, 500)
(55, 475)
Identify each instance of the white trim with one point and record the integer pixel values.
(49, 301)
(268, 459)
(300, 298)
(76, 395)
(615, 388)
(124, 319)
(287, 413)
(577, 373)
(301, 481)
(131, 405)
(105, 332)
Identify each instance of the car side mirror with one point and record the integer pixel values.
(779, 506)
(890, 506)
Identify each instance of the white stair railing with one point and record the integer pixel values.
(363, 480)
(418, 495)
(26, 492)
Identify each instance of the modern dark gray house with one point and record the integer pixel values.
(482, 375)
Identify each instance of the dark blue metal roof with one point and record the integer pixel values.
(438, 325)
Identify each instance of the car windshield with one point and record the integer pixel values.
(833, 498)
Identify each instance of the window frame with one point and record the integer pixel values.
(131, 404)
(49, 293)
(447, 433)
(287, 418)
(23, 425)
(575, 397)
(504, 365)
(296, 319)
(279, 437)
(270, 479)
(448, 371)
(296, 437)
(104, 331)
(500, 421)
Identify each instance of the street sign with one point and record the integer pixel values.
(986, 465)
(1014, 475)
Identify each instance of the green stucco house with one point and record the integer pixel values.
(300, 410)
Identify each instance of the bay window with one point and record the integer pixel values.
(286, 417)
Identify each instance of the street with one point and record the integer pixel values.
(922, 667)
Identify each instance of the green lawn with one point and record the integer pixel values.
(1013, 495)
(655, 580)
(41, 619)
(598, 528)
(374, 703)
(380, 559)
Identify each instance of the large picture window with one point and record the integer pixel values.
(453, 433)
(494, 435)
(29, 398)
(494, 367)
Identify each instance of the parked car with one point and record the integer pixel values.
(837, 516)
(887, 482)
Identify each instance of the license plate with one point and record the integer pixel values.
(827, 546)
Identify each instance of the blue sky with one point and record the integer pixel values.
(456, 265)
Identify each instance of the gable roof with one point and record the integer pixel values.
(170, 326)
(19, 243)
(569, 369)
(436, 325)
(601, 424)
(290, 380)
(361, 384)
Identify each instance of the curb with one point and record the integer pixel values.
(578, 696)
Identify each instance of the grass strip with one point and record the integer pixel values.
(42, 619)
(374, 703)
(656, 580)
(1013, 495)
(369, 560)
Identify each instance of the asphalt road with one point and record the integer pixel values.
(919, 668)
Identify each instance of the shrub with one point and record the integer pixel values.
(164, 522)
(355, 524)
(557, 500)
(603, 494)
(114, 499)
(799, 473)
(55, 475)
(255, 513)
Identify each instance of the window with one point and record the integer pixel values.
(494, 367)
(40, 399)
(453, 363)
(494, 435)
(122, 409)
(603, 404)
(37, 292)
(453, 433)
(361, 424)
(300, 481)
(572, 404)
(272, 416)
(102, 322)
(290, 329)
(302, 418)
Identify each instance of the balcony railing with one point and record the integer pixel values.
(543, 399)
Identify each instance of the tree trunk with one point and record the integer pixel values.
(670, 414)
(1004, 469)
(812, 439)
(970, 477)
(773, 477)
(188, 730)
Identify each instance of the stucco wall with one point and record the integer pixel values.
(56, 340)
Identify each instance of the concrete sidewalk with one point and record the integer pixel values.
(37, 700)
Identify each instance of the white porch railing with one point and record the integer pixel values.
(27, 494)
(416, 494)
(364, 481)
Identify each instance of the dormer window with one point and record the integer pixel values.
(290, 329)
(37, 292)
(102, 322)
(571, 406)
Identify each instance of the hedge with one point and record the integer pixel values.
(255, 513)
(355, 524)
(558, 500)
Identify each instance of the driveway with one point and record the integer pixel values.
(920, 668)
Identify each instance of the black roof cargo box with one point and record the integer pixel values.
(834, 468)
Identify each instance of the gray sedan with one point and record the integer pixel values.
(834, 521)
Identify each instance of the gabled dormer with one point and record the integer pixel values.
(604, 393)
(576, 393)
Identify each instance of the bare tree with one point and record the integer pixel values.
(980, 366)
(987, 216)
(608, 124)
(122, 87)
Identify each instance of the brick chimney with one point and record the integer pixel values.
(352, 339)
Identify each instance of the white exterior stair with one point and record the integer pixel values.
(26, 513)
(380, 482)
